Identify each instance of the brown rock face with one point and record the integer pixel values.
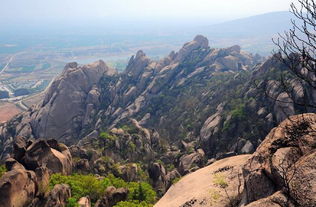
(285, 161)
(129, 172)
(188, 161)
(17, 188)
(112, 197)
(40, 154)
(27, 181)
(281, 173)
(157, 174)
(84, 202)
(303, 184)
(58, 196)
(69, 102)
(199, 42)
(276, 200)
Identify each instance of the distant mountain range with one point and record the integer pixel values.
(265, 24)
(254, 33)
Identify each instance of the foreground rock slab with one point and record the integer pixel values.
(200, 187)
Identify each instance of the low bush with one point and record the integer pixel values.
(140, 193)
(2, 170)
(132, 204)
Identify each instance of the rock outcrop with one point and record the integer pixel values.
(281, 173)
(285, 161)
(26, 182)
(84, 202)
(202, 187)
(112, 196)
(66, 107)
(18, 187)
(192, 161)
(70, 104)
(56, 157)
(58, 196)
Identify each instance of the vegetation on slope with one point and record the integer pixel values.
(139, 193)
(2, 170)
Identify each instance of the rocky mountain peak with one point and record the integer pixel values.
(68, 103)
(137, 64)
(235, 48)
(199, 42)
(71, 65)
(140, 54)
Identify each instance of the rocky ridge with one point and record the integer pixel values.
(197, 98)
(94, 97)
(166, 118)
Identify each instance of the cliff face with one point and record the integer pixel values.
(69, 105)
(201, 97)
(70, 102)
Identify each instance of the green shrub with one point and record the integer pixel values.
(174, 181)
(238, 113)
(89, 185)
(72, 202)
(2, 170)
(132, 204)
(130, 129)
(107, 139)
(81, 185)
(131, 146)
(107, 136)
(170, 167)
(141, 192)
(141, 174)
(220, 180)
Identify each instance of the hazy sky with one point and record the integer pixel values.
(69, 10)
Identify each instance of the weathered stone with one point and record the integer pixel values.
(276, 200)
(303, 184)
(129, 172)
(61, 114)
(280, 157)
(58, 196)
(191, 160)
(84, 202)
(112, 196)
(12, 164)
(17, 188)
(157, 173)
(42, 180)
(40, 154)
(248, 148)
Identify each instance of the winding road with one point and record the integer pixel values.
(7, 65)
(17, 100)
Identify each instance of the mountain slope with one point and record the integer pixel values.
(200, 102)
(160, 120)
